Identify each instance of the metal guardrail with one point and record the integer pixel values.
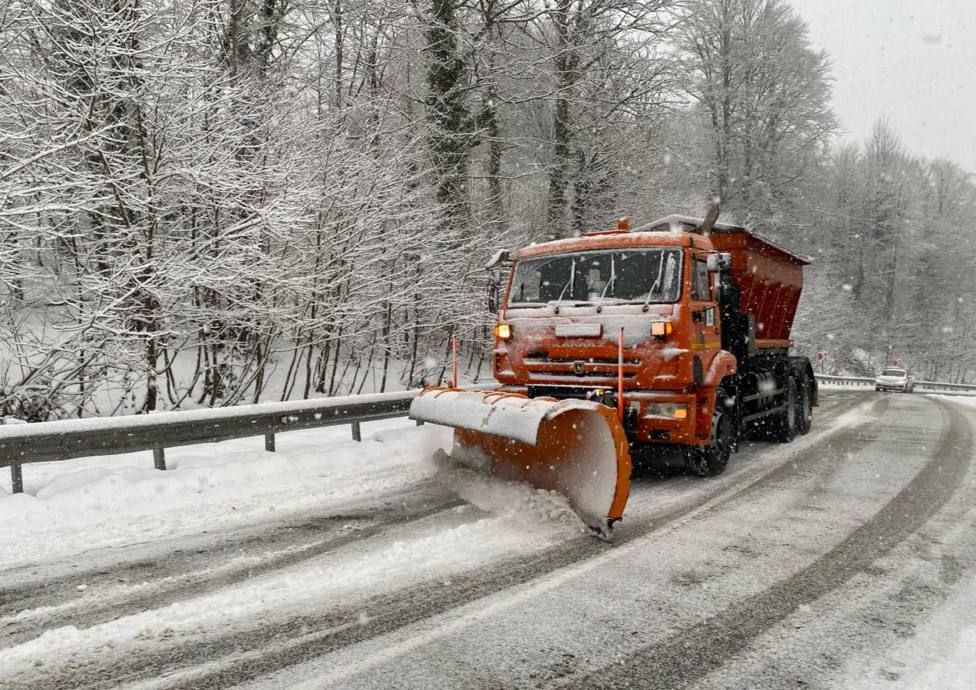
(22, 444)
(919, 385)
(845, 380)
(939, 386)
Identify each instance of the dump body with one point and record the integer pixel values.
(769, 278)
(770, 282)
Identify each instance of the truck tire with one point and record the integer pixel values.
(804, 408)
(711, 460)
(785, 423)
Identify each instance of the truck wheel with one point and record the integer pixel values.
(786, 421)
(710, 460)
(804, 409)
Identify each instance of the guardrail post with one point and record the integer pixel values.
(17, 479)
(357, 434)
(269, 442)
(159, 458)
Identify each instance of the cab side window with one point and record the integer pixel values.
(700, 283)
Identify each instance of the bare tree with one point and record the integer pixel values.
(764, 92)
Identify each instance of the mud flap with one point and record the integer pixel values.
(577, 448)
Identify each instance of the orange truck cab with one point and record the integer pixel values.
(686, 332)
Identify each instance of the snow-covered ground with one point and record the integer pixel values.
(86, 512)
(413, 553)
(964, 400)
(70, 509)
(940, 654)
(111, 501)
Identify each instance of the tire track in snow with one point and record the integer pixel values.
(696, 651)
(199, 554)
(321, 633)
(561, 559)
(249, 654)
(186, 573)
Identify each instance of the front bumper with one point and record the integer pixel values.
(641, 427)
(647, 428)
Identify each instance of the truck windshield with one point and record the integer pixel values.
(616, 277)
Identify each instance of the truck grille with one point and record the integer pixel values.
(590, 369)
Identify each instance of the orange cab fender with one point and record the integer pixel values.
(722, 365)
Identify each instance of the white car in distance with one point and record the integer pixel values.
(894, 379)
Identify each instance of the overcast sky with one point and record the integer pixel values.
(914, 61)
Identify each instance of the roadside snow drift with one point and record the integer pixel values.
(77, 505)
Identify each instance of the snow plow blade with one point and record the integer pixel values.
(577, 448)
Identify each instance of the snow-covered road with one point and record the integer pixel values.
(336, 564)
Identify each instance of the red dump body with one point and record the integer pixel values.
(770, 278)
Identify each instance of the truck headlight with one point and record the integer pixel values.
(661, 329)
(503, 331)
(669, 410)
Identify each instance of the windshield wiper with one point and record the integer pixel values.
(572, 279)
(657, 283)
(613, 277)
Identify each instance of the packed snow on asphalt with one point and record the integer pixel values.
(347, 562)
(71, 510)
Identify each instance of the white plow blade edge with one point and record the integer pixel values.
(574, 447)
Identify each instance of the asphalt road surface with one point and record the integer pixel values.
(803, 565)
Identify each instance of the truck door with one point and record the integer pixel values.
(706, 337)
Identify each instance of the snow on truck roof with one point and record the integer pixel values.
(676, 219)
(691, 224)
(674, 231)
(608, 240)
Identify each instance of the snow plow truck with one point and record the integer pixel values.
(674, 334)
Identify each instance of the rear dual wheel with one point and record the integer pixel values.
(793, 416)
(797, 415)
(785, 423)
(804, 410)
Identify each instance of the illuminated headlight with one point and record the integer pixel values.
(503, 331)
(661, 329)
(669, 410)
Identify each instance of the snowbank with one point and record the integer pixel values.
(70, 507)
(964, 400)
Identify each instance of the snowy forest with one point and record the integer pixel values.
(209, 202)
